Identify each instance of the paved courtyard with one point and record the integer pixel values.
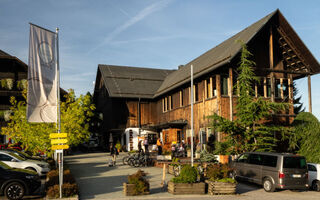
(98, 181)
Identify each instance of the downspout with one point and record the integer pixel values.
(139, 116)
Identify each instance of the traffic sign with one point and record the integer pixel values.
(59, 141)
(58, 135)
(57, 147)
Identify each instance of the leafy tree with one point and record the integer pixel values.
(75, 117)
(298, 105)
(252, 130)
(304, 139)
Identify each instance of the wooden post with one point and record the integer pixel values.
(205, 89)
(211, 88)
(290, 87)
(218, 87)
(281, 83)
(163, 182)
(265, 92)
(230, 93)
(271, 64)
(309, 94)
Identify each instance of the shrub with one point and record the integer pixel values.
(218, 171)
(227, 180)
(188, 174)
(68, 190)
(205, 156)
(53, 177)
(141, 184)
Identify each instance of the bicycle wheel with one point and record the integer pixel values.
(131, 162)
(125, 160)
(137, 163)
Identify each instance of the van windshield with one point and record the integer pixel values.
(294, 162)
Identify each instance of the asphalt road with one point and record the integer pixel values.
(98, 181)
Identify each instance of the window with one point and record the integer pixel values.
(243, 158)
(260, 88)
(255, 159)
(278, 89)
(224, 85)
(4, 157)
(312, 168)
(294, 162)
(214, 87)
(268, 87)
(196, 92)
(208, 88)
(270, 161)
(285, 88)
(181, 98)
(170, 103)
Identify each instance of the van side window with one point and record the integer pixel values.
(312, 168)
(243, 158)
(255, 159)
(270, 161)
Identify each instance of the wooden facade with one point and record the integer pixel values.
(280, 58)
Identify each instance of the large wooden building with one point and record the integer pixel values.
(13, 77)
(158, 99)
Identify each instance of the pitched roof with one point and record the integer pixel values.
(212, 59)
(132, 82)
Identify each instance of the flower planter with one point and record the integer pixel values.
(128, 190)
(186, 188)
(170, 169)
(215, 188)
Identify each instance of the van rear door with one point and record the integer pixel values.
(295, 171)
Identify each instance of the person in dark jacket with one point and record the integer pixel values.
(113, 152)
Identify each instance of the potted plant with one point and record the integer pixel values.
(218, 180)
(186, 182)
(137, 184)
(172, 165)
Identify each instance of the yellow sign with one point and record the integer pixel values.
(59, 141)
(58, 135)
(57, 147)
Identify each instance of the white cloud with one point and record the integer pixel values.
(140, 16)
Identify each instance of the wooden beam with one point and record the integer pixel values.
(211, 88)
(205, 89)
(309, 94)
(265, 87)
(218, 87)
(290, 84)
(281, 83)
(230, 93)
(271, 64)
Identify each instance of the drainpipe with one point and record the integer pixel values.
(139, 116)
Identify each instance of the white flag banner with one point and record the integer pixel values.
(42, 83)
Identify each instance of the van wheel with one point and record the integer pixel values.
(268, 186)
(316, 186)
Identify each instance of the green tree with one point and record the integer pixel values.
(252, 130)
(75, 118)
(305, 138)
(298, 105)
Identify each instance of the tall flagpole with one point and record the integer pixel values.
(191, 115)
(60, 154)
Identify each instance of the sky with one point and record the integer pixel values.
(147, 33)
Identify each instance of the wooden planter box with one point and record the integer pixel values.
(128, 190)
(215, 188)
(186, 188)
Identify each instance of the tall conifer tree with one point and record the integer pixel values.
(252, 130)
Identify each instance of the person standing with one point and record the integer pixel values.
(159, 145)
(113, 152)
(146, 145)
(139, 146)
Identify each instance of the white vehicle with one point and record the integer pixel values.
(15, 161)
(314, 176)
(133, 135)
